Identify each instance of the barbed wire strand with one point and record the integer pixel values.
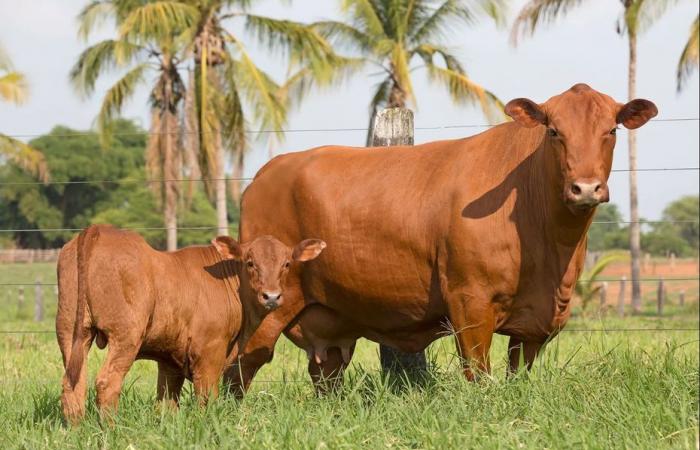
(572, 330)
(300, 130)
(213, 227)
(665, 280)
(192, 180)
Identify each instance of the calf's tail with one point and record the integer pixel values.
(80, 331)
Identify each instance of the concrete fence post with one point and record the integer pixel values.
(621, 297)
(394, 126)
(681, 298)
(38, 301)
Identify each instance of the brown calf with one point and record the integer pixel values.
(185, 309)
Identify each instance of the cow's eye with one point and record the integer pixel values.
(286, 265)
(250, 264)
(552, 132)
(613, 131)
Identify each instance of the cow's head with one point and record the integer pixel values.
(266, 262)
(579, 129)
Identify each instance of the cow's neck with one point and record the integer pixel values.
(563, 231)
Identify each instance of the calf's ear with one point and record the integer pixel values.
(308, 249)
(227, 247)
(526, 112)
(636, 113)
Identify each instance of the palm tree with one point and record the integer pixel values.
(231, 91)
(688, 61)
(13, 89)
(390, 35)
(148, 54)
(637, 16)
(588, 286)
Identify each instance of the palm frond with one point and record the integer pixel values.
(464, 91)
(366, 16)
(5, 61)
(24, 156)
(260, 93)
(98, 59)
(688, 62)
(540, 12)
(158, 21)
(342, 34)
(642, 14)
(13, 88)
(115, 98)
(94, 14)
(303, 44)
(453, 12)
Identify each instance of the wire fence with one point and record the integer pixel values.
(298, 130)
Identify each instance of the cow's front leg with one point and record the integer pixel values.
(522, 350)
(473, 324)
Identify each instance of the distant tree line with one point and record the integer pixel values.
(75, 156)
(676, 232)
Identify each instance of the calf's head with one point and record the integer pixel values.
(580, 128)
(265, 263)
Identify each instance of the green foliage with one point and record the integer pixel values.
(681, 238)
(608, 236)
(74, 156)
(588, 286)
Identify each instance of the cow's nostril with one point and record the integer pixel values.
(598, 187)
(265, 296)
(575, 189)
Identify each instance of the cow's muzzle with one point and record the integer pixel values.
(585, 194)
(271, 300)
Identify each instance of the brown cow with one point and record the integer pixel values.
(486, 232)
(184, 309)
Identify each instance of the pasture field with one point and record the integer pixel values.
(590, 389)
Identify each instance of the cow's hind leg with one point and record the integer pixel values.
(327, 374)
(521, 350)
(170, 381)
(121, 354)
(73, 397)
(473, 323)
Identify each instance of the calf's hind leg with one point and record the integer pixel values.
(121, 353)
(529, 350)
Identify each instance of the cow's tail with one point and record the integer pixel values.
(80, 331)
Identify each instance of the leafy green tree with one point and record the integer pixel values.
(688, 62)
(71, 156)
(14, 89)
(636, 17)
(679, 232)
(149, 48)
(610, 235)
(392, 35)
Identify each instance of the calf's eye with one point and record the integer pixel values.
(250, 264)
(552, 132)
(286, 265)
(613, 131)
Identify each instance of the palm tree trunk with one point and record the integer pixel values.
(170, 203)
(634, 206)
(220, 188)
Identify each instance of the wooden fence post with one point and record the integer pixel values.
(394, 126)
(603, 296)
(621, 297)
(20, 301)
(681, 298)
(38, 301)
(660, 294)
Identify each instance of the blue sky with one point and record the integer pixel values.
(40, 35)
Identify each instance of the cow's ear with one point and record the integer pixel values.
(636, 113)
(308, 249)
(526, 112)
(228, 247)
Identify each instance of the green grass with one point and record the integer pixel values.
(588, 390)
